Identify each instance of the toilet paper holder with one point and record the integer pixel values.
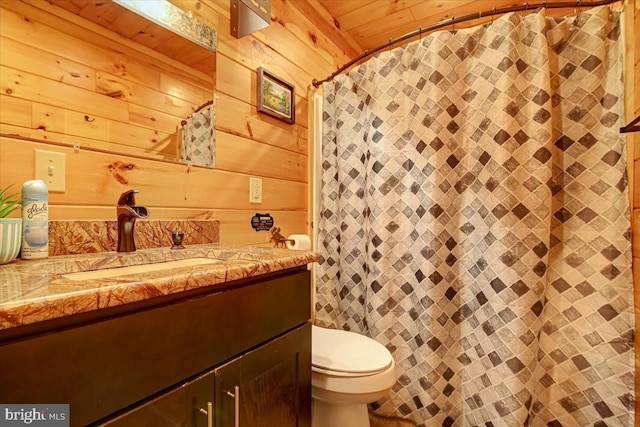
(292, 242)
(299, 242)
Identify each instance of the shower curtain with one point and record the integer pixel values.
(197, 140)
(475, 220)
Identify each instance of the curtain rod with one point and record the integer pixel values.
(455, 20)
(633, 126)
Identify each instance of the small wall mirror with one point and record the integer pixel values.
(146, 91)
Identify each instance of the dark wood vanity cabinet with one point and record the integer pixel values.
(237, 355)
(266, 387)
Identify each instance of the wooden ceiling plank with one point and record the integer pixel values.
(338, 8)
(102, 13)
(376, 11)
(371, 34)
(458, 8)
(329, 26)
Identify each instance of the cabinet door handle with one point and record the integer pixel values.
(236, 405)
(209, 413)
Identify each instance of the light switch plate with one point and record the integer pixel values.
(255, 190)
(50, 167)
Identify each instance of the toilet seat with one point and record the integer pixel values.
(347, 354)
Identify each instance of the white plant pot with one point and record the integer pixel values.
(10, 239)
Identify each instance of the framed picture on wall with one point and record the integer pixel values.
(276, 97)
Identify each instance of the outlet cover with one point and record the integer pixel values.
(50, 167)
(255, 190)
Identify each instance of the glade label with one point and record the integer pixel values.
(34, 210)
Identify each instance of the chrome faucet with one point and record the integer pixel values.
(128, 212)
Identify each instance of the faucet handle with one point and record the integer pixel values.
(128, 198)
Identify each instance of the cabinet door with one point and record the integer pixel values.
(165, 411)
(176, 408)
(199, 405)
(269, 386)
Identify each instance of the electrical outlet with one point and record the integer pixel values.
(50, 167)
(255, 190)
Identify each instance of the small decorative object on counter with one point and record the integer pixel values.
(277, 238)
(10, 228)
(177, 237)
(35, 220)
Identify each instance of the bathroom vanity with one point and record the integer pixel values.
(236, 351)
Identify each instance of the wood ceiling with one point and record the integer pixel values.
(372, 23)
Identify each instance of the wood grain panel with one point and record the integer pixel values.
(636, 184)
(100, 178)
(418, 14)
(45, 64)
(304, 20)
(113, 133)
(15, 110)
(33, 88)
(122, 21)
(135, 111)
(52, 29)
(66, 140)
(286, 22)
(373, 22)
(381, 11)
(234, 153)
(339, 8)
(242, 119)
(236, 80)
(115, 87)
(251, 53)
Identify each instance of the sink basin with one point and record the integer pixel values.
(137, 269)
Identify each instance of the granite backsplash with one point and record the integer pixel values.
(80, 237)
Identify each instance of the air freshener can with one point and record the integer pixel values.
(35, 220)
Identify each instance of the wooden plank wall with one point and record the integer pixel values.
(632, 92)
(65, 81)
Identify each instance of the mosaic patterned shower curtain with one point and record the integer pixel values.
(475, 221)
(198, 141)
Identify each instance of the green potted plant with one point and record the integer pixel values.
(10, 228)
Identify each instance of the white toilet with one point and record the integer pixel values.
(349, 371)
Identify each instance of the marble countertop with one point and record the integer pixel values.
(36, 290)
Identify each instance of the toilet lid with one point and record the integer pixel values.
(344, 351)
